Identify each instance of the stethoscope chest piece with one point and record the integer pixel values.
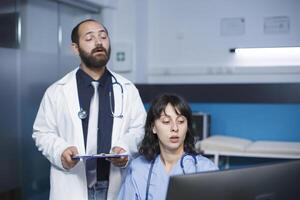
(82, 114)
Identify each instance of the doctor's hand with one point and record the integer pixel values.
(119, 162)
(66, 157)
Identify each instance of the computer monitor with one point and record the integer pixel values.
(279, 181)
(200, 125)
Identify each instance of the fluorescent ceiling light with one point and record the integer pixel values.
(267, 51)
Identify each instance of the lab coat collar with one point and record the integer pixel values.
(71, 95)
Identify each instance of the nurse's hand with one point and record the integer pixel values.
(119, 162)
(66, 157)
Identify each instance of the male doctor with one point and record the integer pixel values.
(66, 124)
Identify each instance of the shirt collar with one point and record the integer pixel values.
(85, 80)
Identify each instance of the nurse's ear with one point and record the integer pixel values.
(154, 130)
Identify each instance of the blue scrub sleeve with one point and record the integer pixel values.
(129, 189)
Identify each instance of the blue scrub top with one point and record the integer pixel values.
(135, 183)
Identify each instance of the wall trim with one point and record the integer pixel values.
(226, 93)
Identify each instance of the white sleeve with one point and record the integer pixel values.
(45, 132)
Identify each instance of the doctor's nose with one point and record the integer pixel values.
(98, 42)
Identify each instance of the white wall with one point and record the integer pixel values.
(175, 41)
(120, 20)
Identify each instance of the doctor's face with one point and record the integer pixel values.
(93, 45)
(171, 129)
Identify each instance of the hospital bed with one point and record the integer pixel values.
(228, 146)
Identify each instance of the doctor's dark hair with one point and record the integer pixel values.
(75, 35)
(149, 147)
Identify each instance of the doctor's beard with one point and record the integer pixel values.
(92, 61)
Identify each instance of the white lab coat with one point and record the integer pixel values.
(57, 126)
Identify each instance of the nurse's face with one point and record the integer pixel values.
(171, 130)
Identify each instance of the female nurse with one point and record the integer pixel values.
(167, 149)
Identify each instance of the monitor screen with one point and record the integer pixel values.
(200, 125)
(279, 181)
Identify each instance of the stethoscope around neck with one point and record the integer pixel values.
(181, 166)
(82, 114)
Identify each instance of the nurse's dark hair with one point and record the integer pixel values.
(149, 146)
(75, 35)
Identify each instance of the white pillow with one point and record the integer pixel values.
(275, 147)
(224, 143)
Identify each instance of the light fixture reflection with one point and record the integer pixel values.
(274, 51)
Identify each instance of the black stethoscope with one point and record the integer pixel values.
(82, 114)
(181, 165)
